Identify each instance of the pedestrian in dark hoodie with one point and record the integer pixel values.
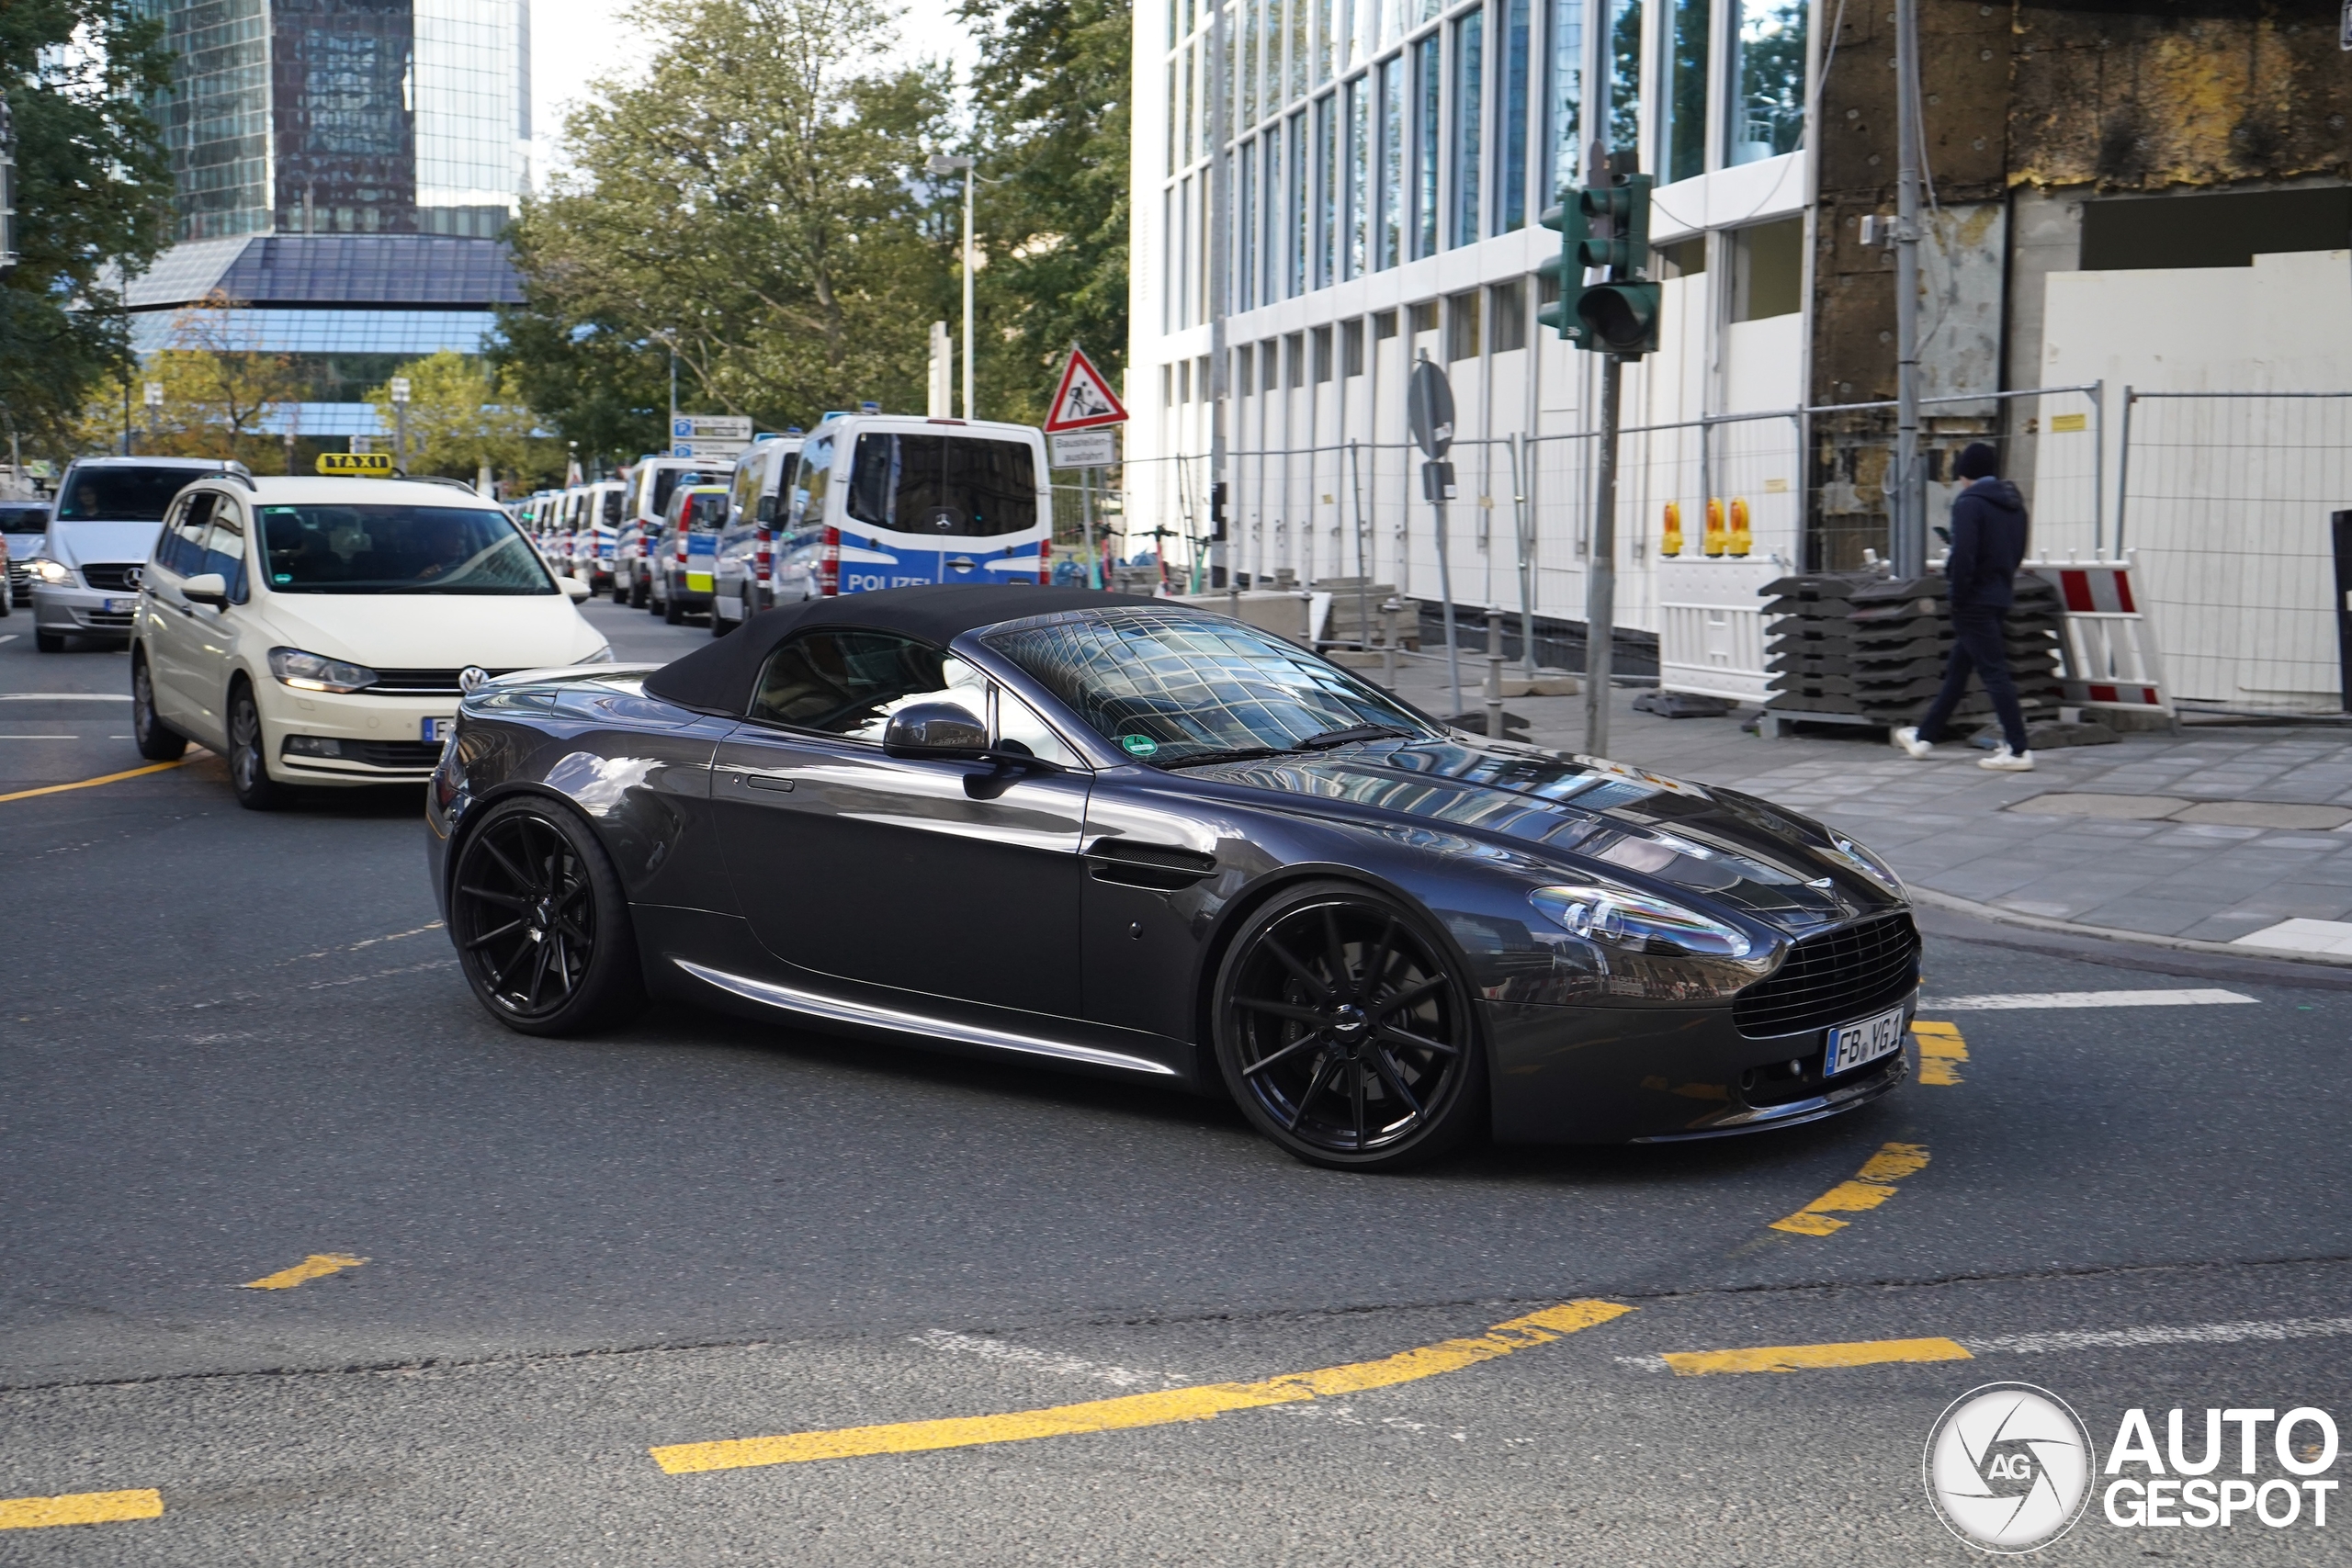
(1988, 526)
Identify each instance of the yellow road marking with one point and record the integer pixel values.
(79, 1509)
(1805, 1358)
(1941, 1050)
(93, 783)
(317, 1266)
(1872, 1185)
(1198, 1404)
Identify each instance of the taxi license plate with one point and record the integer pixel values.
(1852, 1045)
(438, 729)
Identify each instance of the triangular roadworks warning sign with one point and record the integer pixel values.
(1083, 400)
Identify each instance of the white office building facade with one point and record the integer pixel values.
(1384, 167)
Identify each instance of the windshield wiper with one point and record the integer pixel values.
(1354, 732)
(1238, 754)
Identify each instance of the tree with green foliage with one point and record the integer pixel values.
(464, 416)
(752, 207)
(93, 196)
(1052, 110)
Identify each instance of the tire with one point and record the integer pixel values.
(540, 924)
(719, 624)
(249, 756)
(1345, 1034)
(49, 642)
(673, 613)
(158, 741)
(636, 592)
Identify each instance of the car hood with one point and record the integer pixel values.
(1592, 814)
(74, 542)
(434, 631)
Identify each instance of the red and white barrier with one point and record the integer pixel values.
(2109, 649)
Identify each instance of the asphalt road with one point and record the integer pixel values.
(236, 1042)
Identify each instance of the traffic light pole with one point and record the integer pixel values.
(1908, 511)
(1601, 579)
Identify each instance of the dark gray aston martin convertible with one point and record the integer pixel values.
(1134, 837)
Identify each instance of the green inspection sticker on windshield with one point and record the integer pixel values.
(1139, 745)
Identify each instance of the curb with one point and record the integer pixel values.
(1997, 916)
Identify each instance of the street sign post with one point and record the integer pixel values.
(1428, 415)
(1083, 402)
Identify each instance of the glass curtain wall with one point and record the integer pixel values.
(1427, 84)
(1766, 116)
(1511, 118)
(1682, 122)
(1563, 102)
(1469, 124)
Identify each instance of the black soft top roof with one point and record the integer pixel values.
(720, 678)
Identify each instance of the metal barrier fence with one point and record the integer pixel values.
(2225, 498)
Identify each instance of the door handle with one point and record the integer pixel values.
(769, 781)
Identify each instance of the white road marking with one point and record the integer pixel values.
(2017, 999)
(40, 738)
(1042, 1361)
(2192, 1334)
(63, 697)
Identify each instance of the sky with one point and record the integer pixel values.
(591, 41)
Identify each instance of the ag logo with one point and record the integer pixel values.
(2008, 1467)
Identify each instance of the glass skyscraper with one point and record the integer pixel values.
(342, 169)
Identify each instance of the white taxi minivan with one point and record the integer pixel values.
(319, 631)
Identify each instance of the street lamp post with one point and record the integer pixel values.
(946, 164)
(399, 423)
(155, 410)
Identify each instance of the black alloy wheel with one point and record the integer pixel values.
(158, 741)
(1344, 1034)
(249, 756)
(540, 923)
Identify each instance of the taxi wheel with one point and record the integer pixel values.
(249, 756)
(540, 924)
(158, 742)
(1344, 1032)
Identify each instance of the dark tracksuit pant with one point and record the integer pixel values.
(1976, 645)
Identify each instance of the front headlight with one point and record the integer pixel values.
(1639, 922)
(602, 656)
(316, 673)
(1868, 863)
(48, 571)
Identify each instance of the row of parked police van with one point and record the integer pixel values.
(865, 501)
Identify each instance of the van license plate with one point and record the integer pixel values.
(1852, 1045)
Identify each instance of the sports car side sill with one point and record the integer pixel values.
(831, 1008)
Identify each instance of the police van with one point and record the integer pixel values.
(890, 501)
(742, 572)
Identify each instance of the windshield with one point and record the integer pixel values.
(665, 482)
(961, 486)
(123, 494)
(23, 519)
(1170, 686)
(398, 549)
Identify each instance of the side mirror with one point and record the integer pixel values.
(935, 730)
(575, 590)
(207, 588)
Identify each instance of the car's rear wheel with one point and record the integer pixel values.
(1344, 1032)
(540, 923)
(249, 756)
(636, 593)
(674, 614)
(158, 742)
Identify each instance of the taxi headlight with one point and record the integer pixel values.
(316, 673)
(1633, 921)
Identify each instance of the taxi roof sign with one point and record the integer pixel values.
(359, 465)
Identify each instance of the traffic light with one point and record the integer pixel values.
(1603, 226)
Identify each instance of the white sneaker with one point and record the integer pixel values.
(1906, 741)
(2004, 761)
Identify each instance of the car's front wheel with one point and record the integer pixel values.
(158, 742)
(1344, 1032)
(674, 614)
(48, 642)
(249, 756)
(540, 923)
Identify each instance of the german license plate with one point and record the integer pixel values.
(117, 606)
(438, 729)
(1852, 1045)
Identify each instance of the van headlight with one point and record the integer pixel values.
(1632, 922)
(56, 573)
(317, 673)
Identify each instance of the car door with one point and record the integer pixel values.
(955, 878)
(212, 646)
(170, 632)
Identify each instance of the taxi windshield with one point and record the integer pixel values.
(398, 549)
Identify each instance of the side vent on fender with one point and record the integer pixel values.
(1162, 866)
